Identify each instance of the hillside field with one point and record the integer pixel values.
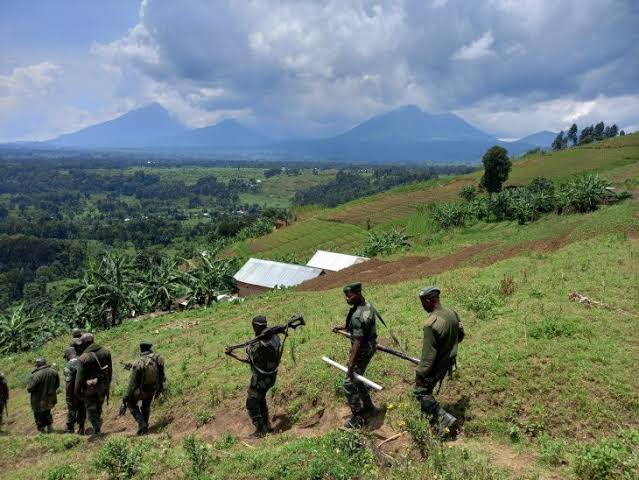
(547, 387)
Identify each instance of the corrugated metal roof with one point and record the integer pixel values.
(334, 262)
(269, 274)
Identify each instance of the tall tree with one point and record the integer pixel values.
(613, 131)
(497, 166)
(598, 134)
(586, 135)
(572, 134)
(559, 141)
(622, 133)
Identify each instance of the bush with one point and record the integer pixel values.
(450, 215)
(118, 459)
(484, 304)
(585, 193)
(552, 328)
(63, 472)
(616, 458)
(551, 450)
(198, 455)
(384, 243)
(468, 193)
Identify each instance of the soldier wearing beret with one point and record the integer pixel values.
(264, 358)
(443, 331)
(146, 382)
(360, 324)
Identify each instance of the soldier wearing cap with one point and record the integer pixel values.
(264, 358)
(93, 380)
(360, 324)
(76, 413)
(442, 333)
(146, 382)
(43, 386)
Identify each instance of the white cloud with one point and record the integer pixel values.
(476, 50)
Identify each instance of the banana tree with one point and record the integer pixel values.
(17, 331)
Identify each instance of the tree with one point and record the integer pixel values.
(598, 134)
(613, 131)
(586, 135)
(622, 133)
(559, 141)
(497, 166)
(572, 134)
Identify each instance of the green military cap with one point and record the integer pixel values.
(259, 320)
(144, 343)
(355, 287)
(76, 332)
(428, 291)
(40, 362)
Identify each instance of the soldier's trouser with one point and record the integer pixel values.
(141, 414)
(256, 398)
(2, 407)
(76, 413)
(43, 419)
(93, 405)
(356, 392)
(424, 395)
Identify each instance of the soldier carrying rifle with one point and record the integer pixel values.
(263, 354)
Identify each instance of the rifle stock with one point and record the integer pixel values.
(295, 322)
(384, 349)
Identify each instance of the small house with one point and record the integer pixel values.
(334, 262)
(257, 276)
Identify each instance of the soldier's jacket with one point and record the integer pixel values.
(43, 386)
(361, 322)
(94, 372)
(137, 389)
(70, 371)
(4, 390)
(265, 355)
(442, 332)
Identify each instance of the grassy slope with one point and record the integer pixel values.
(533, 361)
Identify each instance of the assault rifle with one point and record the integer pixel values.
(382, 348)
(296, 321)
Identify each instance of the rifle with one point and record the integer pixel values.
(382, 348)
(126, 365)
(296, 321)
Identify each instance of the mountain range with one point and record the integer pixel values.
(406, 134)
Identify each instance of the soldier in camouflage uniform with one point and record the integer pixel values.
(264, 358)
(146, 382)
(442, 333)
(43, 386)
(360, 323)
(4, 396)
(93, 380)
(76, 413)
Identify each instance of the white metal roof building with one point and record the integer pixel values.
(334, 262)
(269, 274)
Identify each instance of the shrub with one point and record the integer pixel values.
(449, 215)
(198, 455)
(551, 328)
(468, 193)
(506, 286)
(484, 304)
(384, 243)
(585, 193)
(551, 450)
(63, 472)
(609, 458)
(118, 459)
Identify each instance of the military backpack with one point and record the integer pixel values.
(150, 371)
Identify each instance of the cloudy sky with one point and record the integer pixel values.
(317, 67)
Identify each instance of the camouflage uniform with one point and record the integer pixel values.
(360, 322)
(4, 395)
(76, 412)
(442, 332)
(264, 357)
(141, 391)
(43, 385)
(93, 381)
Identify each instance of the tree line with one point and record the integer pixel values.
(588, 134)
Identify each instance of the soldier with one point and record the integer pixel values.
(43, 386)
(93, 380)
(264, 357)
(145, 383)
(76, 333)
(76, 413)
(360, 323)
(442, 333)
(4, 396)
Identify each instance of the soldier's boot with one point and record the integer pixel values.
(49, 428)
(356, 421)
(96, 429)
(260, 429)
(446, 423)
(81, 429)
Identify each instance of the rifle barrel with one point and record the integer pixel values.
(387, 349)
